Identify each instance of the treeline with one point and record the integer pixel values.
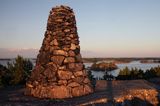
(15, 73)
(129, 74)
(134, 73)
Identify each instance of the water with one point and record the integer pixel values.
(133, 64)
(96, 74)
(100, 74)
(4, 62)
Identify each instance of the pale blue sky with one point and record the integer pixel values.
(107, 28)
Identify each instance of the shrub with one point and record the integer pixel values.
(3, 75)
(124, 74)
(91, 78)
(127, 74)
(20, 70)
(108, 77)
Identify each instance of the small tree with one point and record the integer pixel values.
(4, 76)
(124, 74)
(20, 70)
(121, 72)
(157, 70)
(92, 79)
(140, 74)
(120, 75)
(28, 66)
(1, 74)
(108, 76)
(126, 71)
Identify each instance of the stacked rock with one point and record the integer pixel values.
(59, 70)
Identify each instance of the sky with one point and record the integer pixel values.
(107, 28)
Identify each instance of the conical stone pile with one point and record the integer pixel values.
(59, 70)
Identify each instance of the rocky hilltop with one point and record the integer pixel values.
(59, 70)
(108, 93)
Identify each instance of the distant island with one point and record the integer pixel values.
(104, 66)
(123, 60)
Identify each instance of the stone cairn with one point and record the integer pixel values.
(59, 70)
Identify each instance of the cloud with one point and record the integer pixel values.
(86, 53)
(12, 53)
(32, 53)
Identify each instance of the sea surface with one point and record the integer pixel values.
(100, 74)
(133, 64)
(4, 62)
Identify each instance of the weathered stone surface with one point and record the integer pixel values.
(60, 52)
(77, 91)
(62, 68)
(78, 80)
(78, 58)
(73, 84)
(69, 60)
(66, 48)
(87, 89)
(43, 58)
(64, 74)
(86, 81)
(60, 92)
(36, 73)
(71, 53)
(73, 46)
(59, 71)
(52, 66)
(62, 82)
(78, 73)
(58, 59)
(29, 85)
(67, 30)
(54, 42)
(71, 35)
(49, 73)
(75, 66)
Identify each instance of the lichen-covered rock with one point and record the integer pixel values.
(59, 71)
